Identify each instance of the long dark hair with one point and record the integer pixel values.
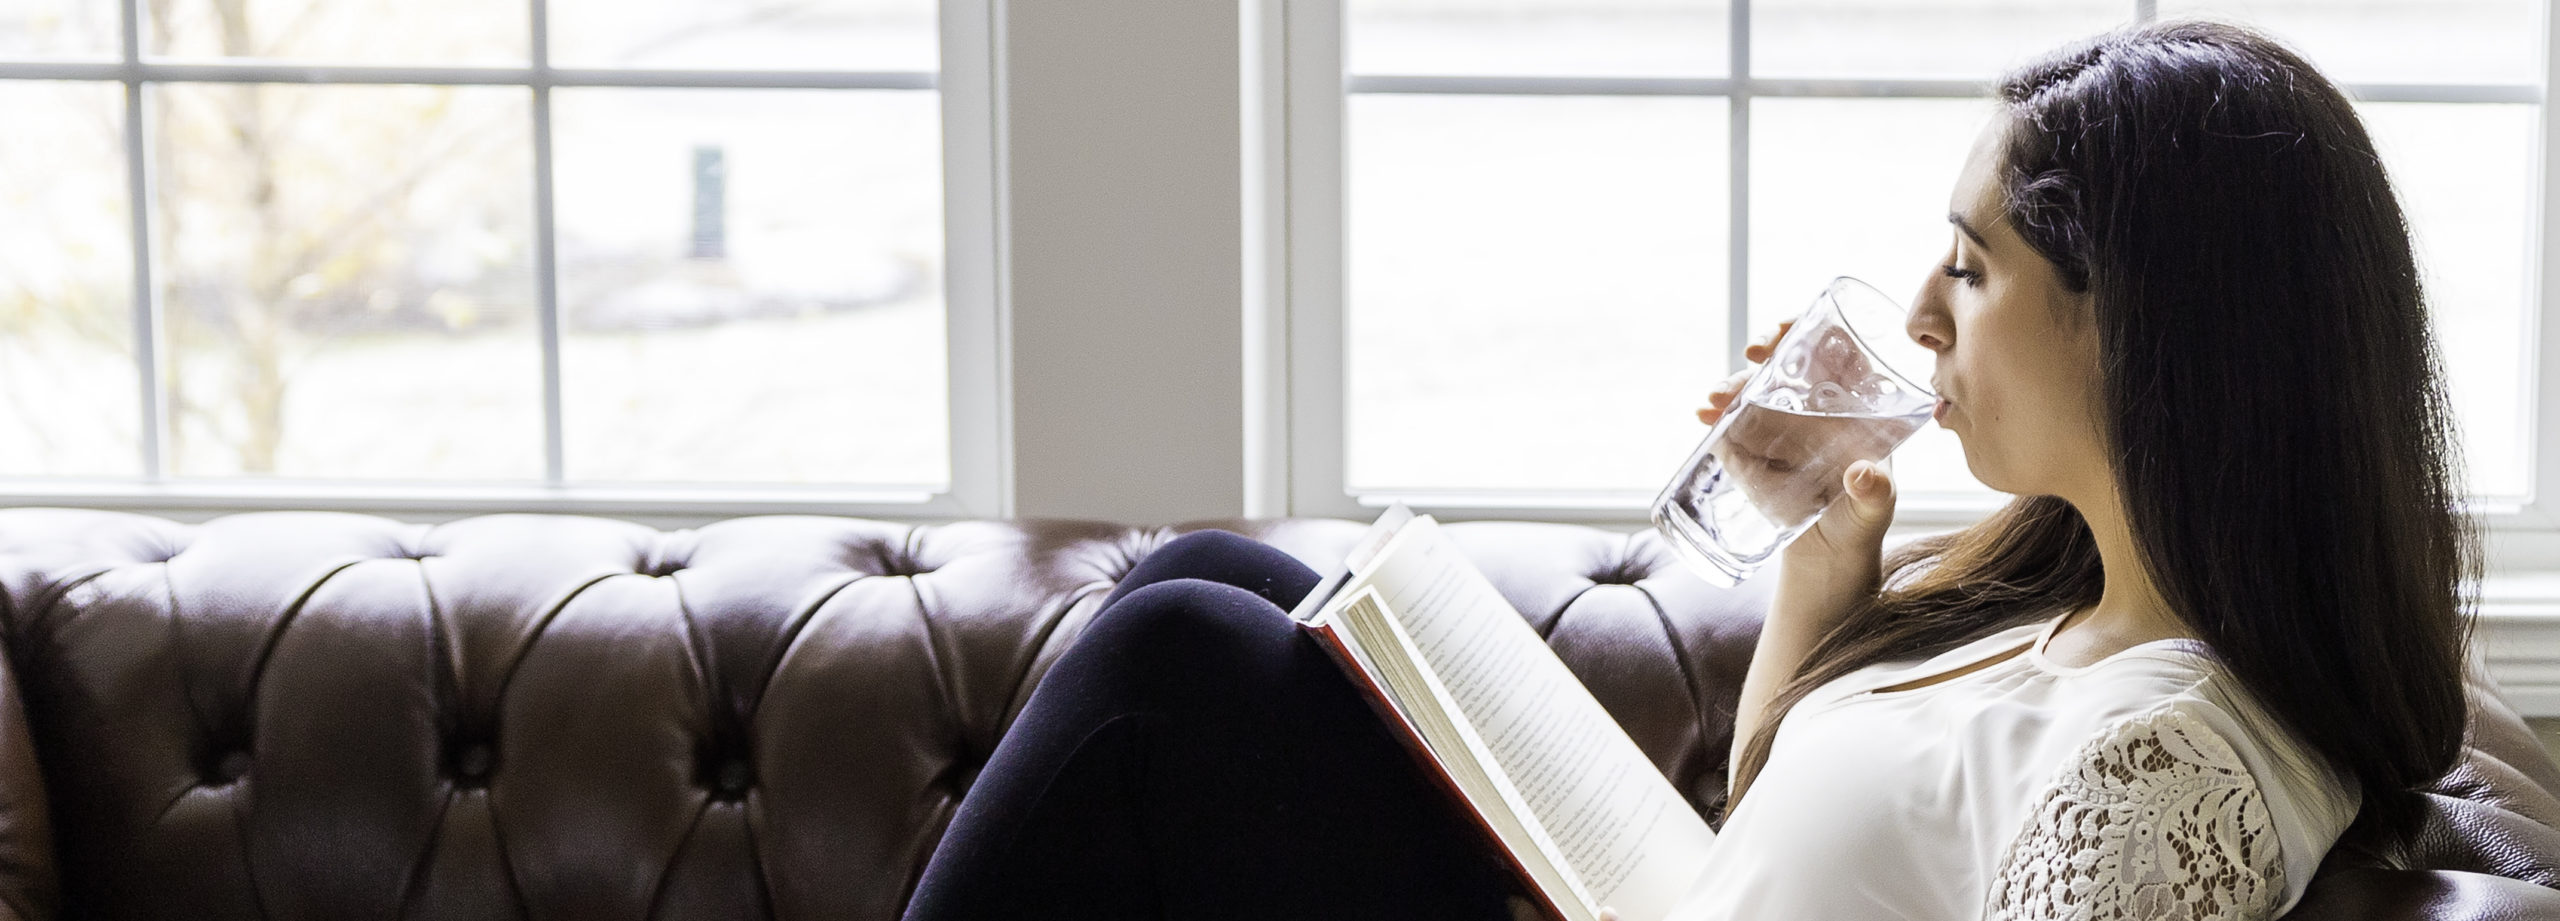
(2279, 428)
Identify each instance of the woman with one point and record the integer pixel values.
(2216, 636)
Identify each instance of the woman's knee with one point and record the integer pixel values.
(1193, 627)
(1228, 557)
(1211, 542)
(1187, 611)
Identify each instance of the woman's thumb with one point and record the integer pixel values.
(1871, 492)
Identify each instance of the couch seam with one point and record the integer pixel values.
(1558, 620)
(275, 635)
(1023, 686)
(667, 872)
(248, 857)
(498, 706)
(1680, 662)
(515, 661)
(940, 665)
(446, 692)
(755, 854)
(418, 866)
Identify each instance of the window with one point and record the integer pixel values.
(1560, 219)
(565, 253)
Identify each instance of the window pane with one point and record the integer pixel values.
(804, 35)
(751, 286)
(2461, 172)
(69, 395)
(1859, 187)
(1537, 37)
(59, 28)
(1939, 39)
(346, 277)
(341, 31)
(2397, 41)
(1536, 288)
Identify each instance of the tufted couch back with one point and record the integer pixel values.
(318, 715)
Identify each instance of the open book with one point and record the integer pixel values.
(1499, 721)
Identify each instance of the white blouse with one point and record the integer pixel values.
(2143, 785)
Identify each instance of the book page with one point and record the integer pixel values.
(1613, 820)
(1364, 551)
(1424, 708)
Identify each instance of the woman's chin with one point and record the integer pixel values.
(1984, 473)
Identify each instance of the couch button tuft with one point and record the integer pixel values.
(474, 762)
(732, 778)
(1619, 572)
(884, 558)
(232, 766)
(663, 561)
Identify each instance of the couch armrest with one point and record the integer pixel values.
(2378, 894)
(30, 887)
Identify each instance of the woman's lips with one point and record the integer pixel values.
(1940, 414)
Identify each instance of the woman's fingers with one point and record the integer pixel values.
(1727, 388)
(1761, 350)
(1720, 398)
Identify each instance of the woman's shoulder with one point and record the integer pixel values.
(2201, 764)
(2310, 800)
(2193, 695)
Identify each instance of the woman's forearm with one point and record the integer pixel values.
(1812, 595)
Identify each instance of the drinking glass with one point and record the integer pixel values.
(1844, 385)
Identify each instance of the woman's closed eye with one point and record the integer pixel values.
(1968, 276)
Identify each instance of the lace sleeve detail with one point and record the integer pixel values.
(2157, 817)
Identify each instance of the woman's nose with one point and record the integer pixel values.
(1930, 325)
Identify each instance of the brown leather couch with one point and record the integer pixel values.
(293, 715)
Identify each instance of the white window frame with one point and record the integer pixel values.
(1308, 90)
(979, 427)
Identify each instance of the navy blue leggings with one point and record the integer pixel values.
(1195, 755)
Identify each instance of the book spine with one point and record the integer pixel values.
(1329, 637)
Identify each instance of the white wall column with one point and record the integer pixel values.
(1118, 123)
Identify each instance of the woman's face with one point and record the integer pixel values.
(2017, 353)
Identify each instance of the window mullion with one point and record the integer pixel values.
(546, 269)
(1738, 192)
(146, 325)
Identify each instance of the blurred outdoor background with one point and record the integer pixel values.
(1538, 284)
(750, 282)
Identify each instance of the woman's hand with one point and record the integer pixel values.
(1849, 537)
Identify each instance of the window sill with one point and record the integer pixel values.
(666, 506)
(2519, 638)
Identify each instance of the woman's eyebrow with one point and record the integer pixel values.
(1957, 219)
